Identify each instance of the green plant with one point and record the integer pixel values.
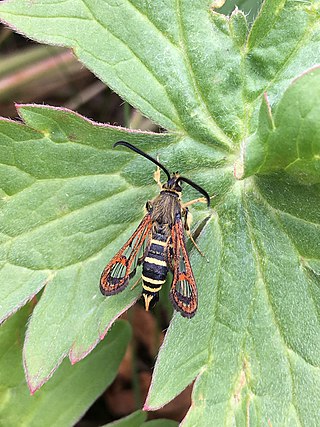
(241, 108)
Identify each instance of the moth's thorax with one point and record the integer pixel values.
(165, 208)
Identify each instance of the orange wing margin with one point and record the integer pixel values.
(183, 293)
(115, 277)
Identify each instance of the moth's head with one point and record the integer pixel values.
(173, 183)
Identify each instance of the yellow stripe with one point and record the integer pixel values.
(147, 288)
(159, 242)
(155, 261)
(152, 281)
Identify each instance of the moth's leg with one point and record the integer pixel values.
(187, 223)
(136, 284)
(156, 176)
(198, 200)
(187, 216)
(193, 241)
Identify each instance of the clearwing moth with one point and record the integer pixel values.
(159, 245)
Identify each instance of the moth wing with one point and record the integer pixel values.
(183, 293)
(116, 275)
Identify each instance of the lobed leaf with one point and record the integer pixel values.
(253, 346)
(70, 216)
(289, 139)
(64, 202)
(173, 87)
(72, 390)
(257, 340)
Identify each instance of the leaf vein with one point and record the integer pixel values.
(25, 15)
(138, 57)
(296, 250)
(202, 101)
(148, 19)
(66, 214)
(260, 277)
(300, 43)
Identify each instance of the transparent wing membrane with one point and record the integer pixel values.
(115, 277)
(184, 290)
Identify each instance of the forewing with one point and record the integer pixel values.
(115, 277)
(183, 292)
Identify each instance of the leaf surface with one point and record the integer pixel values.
(253, 346)
(169, 87)
(289, 139)
(57, 224)
(138, 419)
(249, 357)
(73, 389)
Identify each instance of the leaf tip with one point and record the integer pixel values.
(76, 355)
(20, 106)
(148, 406)
(32, 389)
(36, 381)
(73, 360)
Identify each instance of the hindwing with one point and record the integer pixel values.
(183, 293)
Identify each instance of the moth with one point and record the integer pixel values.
(159, 245)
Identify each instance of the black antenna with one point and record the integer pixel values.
(196, 186)
(137, 150)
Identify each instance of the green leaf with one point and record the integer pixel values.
(171, 87)
(71, 202)
(136, 419)
(249, 7)
(161, 422)
(68, 395)
(257, 342)
(289, 140)
(64, 202)
(68, 215)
